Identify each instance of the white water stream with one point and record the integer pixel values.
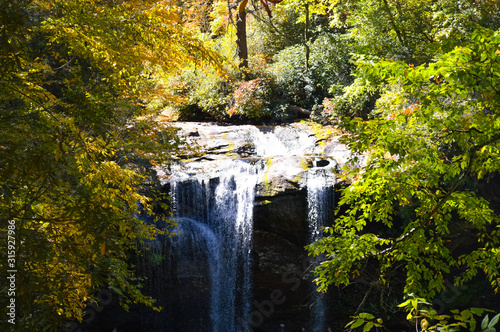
(320, 203)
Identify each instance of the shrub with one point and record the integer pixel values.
(293, 84)
(357, 100)
(200, 95)
(328, 67)
(249, 99)
(330, 62)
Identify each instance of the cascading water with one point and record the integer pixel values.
(231, 218)
(282, 141)
(320, 201)
(212, 199)
(213, 244)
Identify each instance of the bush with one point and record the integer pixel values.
(292, 83)
(330, 62)
(249, 99)
(357, 100)
(329, 69)
(200, 95)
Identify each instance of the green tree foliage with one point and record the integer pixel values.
(414, 200)
(329, 69)
(426, 318)
(276, 32)
(408, 30)
(77, 146)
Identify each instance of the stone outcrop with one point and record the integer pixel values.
(287, 152)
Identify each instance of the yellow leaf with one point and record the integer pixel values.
(103, 248)
(424, 324)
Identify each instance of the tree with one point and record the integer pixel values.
(78, 143)
(415, 202)
(241, 31)
(409, 30)
(406, 30)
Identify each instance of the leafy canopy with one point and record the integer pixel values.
(416, 170)
(409, 30)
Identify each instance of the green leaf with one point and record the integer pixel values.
(494, 321)
(477, 311)
(367, 327)
(365, 315)
(404, 304)
(357, 323)
(484, 323)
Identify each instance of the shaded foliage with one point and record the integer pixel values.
(425, 151)
(78, 144)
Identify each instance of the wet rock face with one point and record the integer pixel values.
(284, 215)
(281, 174)
(281, 265)
(282, 284)
(285, 153)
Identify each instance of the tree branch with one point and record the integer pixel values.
(368, 292)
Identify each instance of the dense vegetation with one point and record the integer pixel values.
(413, 84)
(77, 145)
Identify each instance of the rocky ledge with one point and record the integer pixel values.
(287, 152)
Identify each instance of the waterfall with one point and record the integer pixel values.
(202, 275)
(232, 219)
(213, 241)
(320, 201)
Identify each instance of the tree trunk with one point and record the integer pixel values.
(241, 41)
(306, 37)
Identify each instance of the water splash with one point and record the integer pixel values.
(283, 141)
